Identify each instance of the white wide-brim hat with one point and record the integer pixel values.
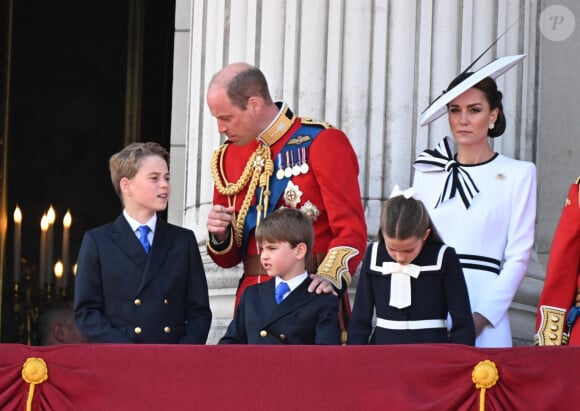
(494, 69)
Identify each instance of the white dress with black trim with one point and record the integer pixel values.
(438, 288)
(487, 213)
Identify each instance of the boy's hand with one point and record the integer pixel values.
(321, 285)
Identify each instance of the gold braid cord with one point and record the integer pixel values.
(34, 371)
(264, 200)
(551, 329)
(334, 267)
(484, 376)
(258, 170)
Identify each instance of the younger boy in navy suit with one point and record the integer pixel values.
(140, 279)
(282, 311)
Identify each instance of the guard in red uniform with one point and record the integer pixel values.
(559, 305)
(273, 159)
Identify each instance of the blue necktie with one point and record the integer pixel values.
(281, 289)
(143, 231)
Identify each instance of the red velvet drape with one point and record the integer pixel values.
(175, 377)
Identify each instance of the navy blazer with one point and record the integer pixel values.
(123, 295)
(301, 318)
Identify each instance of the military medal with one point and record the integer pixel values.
(310, 211)
(295, 166)
(280, 172)
(303, 163)
(288, 169)
(292, 194)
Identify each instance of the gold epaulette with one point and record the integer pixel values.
(334, 267)
(551, 329)
(310, 122)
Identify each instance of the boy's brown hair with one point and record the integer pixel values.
(126, 163)
(287, 225)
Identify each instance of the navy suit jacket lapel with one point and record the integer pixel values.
(158, 252)
(295, 299)
(267, 298)
(128, 242)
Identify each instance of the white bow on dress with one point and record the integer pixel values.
(400, 282)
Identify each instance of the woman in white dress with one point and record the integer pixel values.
(483, 203)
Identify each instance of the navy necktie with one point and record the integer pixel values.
(281, 289)
(143, 231)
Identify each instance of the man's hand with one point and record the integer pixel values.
(218, 221)
(321, 285)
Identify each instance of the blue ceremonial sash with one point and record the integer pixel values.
(277, 186)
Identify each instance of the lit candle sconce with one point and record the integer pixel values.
(58, 273)
(66, 223)
(51, 218)
(42, 260)
(17, 243)
(30, 291)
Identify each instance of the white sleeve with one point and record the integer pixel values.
(495, 302)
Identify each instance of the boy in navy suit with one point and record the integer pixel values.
(282, 311)
(140, 279)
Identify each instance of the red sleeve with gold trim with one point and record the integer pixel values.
(561, 283)
(342, 231)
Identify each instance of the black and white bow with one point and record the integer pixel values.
(458, 180)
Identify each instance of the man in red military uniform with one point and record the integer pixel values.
(560, 300)
(273, 159)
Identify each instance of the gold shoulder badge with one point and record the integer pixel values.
(310, 122)
(334, 267)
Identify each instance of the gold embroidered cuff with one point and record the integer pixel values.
(551, 329)
(334, 267)
(220, 247)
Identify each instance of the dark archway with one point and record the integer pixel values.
(80, 72)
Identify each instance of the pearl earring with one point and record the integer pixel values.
(491, 126)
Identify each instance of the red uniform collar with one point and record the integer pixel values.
(279, 126)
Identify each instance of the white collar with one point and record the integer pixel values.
(136, 224)
(294, 281)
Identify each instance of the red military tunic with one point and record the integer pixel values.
(562, 278)
(328, 193)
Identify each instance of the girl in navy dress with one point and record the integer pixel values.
(412, 280)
